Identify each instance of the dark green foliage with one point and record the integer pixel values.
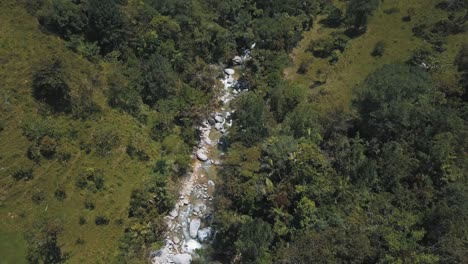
(358, 13)
(133, 152)
(64, 17)
(38, 196)
(34, 153)
(43, 246)
(60, 194)
(251, 118)
(24, 174)
(158, 81)
(399, 94)
(106, 24)
(88, 204)
(254, 239)
(82, 220)
(49, 86)
(334, 18)
(38, 128)
(101, 220)
(379, 49)
(48, 147)
(462, 58)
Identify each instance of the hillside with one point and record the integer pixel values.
(240, 131)
(52, 192)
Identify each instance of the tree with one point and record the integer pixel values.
(107, 24)
(64, 17)
(254, 239)
(44, 248)
(358, 12)
(394, 101)
(49, 86)
(159, 80)
(250, 122)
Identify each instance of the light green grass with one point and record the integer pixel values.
(356, 61)
(22, 47)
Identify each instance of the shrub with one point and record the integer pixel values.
(379, 49)
(81, 182)
(48, 147)
(34, 153)
(462, 58)
(82, 220)
(101, 220)
(25, 174)
(38, 196)
(89, 205)
(36, 129)
(60, 194)
(49, 86)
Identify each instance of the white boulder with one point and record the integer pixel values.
(201, 155)
(194, 226)
(219, 119)
(182, 258)
(229, 71)
(237, 60)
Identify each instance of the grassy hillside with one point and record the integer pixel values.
(356, 62)
(23, 47)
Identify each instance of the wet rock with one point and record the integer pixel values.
(194, 226)
(211, 183)
(205, 234)
(182, 258)
(229, 71)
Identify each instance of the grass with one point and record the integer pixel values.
(22, 47)
(356, 62)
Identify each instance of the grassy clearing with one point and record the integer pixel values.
(356, 62)
(22, 47)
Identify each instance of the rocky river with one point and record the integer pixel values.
(189, 223)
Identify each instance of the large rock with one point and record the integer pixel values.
(182, 258)
(205, 234)
(237, 60)
(229, 71)
(219, 119)
(219, 126)
(194, 226)
(201, 155)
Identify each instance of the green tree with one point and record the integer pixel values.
(159, 80)
(64, 17)
(49, 86)
(254, 239)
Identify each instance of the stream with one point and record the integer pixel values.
(188, 224)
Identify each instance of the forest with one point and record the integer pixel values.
(349, 147)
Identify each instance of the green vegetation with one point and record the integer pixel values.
(350, 145)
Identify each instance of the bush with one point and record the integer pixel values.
(38, 196)
(133, 152)
(379, 49)
(462, 58)
(49, 86)
(89, 205)
(82, 220)
(48, 147)
(38, 128)
(101, 220)
(81, 182)
(60, 194)
(23, 174)
(34, 153)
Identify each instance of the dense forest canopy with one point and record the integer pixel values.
(114, 91)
